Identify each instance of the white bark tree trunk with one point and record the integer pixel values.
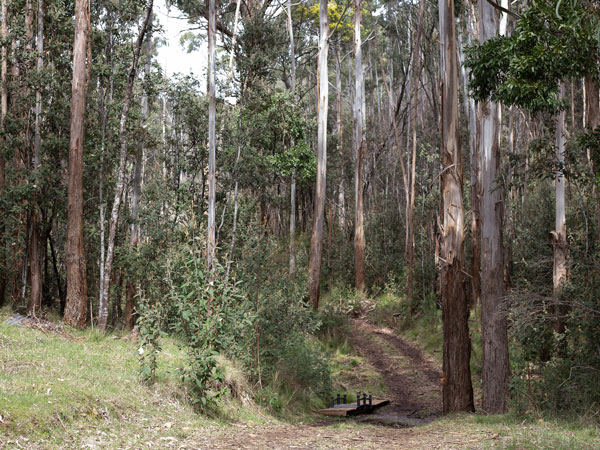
(316, 242)
(212, 113)
(560, 232)
(359, 154)
(292, 247)
(495, 364)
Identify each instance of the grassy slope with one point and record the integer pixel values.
(57, 392)
(67, 393)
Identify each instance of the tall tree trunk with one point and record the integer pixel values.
(560, 233)
(3, 111)
(134, 234)
(121, 177)
(413, 169)
(102, 209)
(212, 113)
(35, 262)
(293, 178)
(457, 389)
(76, 305)
(316, 241)
(495, 365)
(359, 152)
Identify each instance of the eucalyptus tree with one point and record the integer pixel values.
(35, 266)
(316, 241)
(457, 389)
(495, 365)
(212, 113)
(292, 82)
(3, 111)
(77, 303)
(360, 148)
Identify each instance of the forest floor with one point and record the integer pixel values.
(79, 390)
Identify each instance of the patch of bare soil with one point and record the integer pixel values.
(328, 436)
(41, 324)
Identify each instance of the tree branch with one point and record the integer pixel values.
(503, 9)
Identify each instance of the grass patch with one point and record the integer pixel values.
(515, 432)
(62, 392)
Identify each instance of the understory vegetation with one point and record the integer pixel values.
(62, 388)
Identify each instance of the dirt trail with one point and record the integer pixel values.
(413, 380)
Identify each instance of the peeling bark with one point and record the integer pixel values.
(457, 389)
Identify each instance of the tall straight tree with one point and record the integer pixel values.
(359, 151)
(76, 305)
(121, 176)
(3, 111)
(212, 140)
(494, 340)
(293, 181)
(457, 389)
(35, 258)
(316, 241)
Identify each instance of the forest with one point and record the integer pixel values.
(398, 198)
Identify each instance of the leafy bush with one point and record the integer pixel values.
(201, 302)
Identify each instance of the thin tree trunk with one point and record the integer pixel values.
(359, 152)
(212, 113)
(472, 112)
(102, 212)
(76, 307)
(134, 236)
(235, 214)
(457, 389)
(292, 246)
(495, 365)
(413, 103)
(114, 216)
(316, 242)
(560, 233)
(340, 129)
